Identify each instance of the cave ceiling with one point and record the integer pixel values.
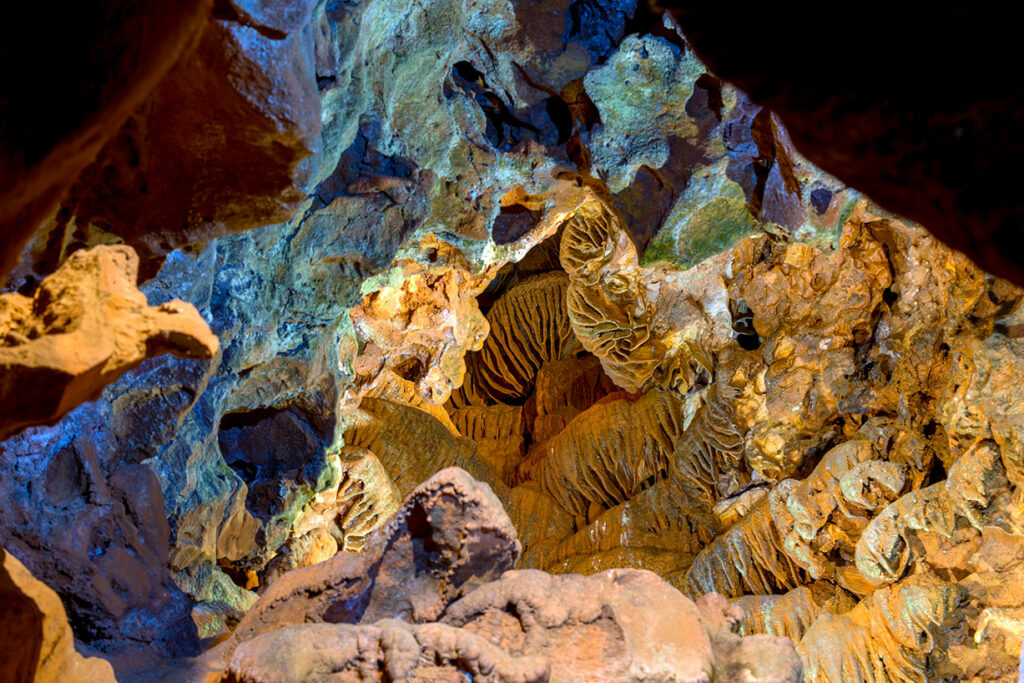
(518, 340)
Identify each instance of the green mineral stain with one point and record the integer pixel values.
(661, 249)
(713, 228)
(845, 213)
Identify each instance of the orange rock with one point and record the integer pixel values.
(35, 635)
(86, 325)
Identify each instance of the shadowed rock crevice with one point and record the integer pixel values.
(271, 447)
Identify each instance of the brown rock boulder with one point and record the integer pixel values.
(450, 535)
(86, 325)
(433, 597)
(620, 625)
(35, 637)
(224, 144)
(389, 650)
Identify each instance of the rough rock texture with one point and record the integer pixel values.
(422, 185)
(828, 472)
(111, 55)
(898, 128)
(84, 327)
(38, 643)
(245, 114)
(887, 637)
(431, 597)
(521, 239)
(531, 626)
(94, 531)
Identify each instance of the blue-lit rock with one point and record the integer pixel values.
(183, 481)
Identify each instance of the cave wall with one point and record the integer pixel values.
(396, 175)
(420, 137)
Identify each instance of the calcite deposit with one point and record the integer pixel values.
(808, 452)
(433, 596)
(505, 340)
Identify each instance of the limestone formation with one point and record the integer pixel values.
(86, 325)
(564, 389)
(449, 535)
(607, 307)
(388, 650)
(886, 637)
(430, 598)
(646, 532)
(411, 445)
(748, 559)
(573, 628)
(792, 613)
(498, 433)
(528, 328)
(540, 242)
(709, 463)
(609, 453)
(421, 330)
(343, 517)
(797, 481)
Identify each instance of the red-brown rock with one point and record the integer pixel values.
(69, 77)
(450, 535)
(36, 637)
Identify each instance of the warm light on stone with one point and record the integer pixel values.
(503, 341)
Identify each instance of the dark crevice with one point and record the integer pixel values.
(649, 20)
(821, 199)
(512, 223)
(707, 91)
(560, 115)
(743, 325)
(271, 447)
(224, 11)
(600, 24)
(504, 129)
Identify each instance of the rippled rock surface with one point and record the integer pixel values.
(540, 242)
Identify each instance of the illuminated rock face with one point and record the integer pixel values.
(85, 326)
(570, 262)
(40, 645)
(433, 596)
(851, 471)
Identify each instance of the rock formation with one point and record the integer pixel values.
(542, 243)
(112, 60)
(791, 465)
(896, 131)
(85, 326)
(432, 595)
(38, 639)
